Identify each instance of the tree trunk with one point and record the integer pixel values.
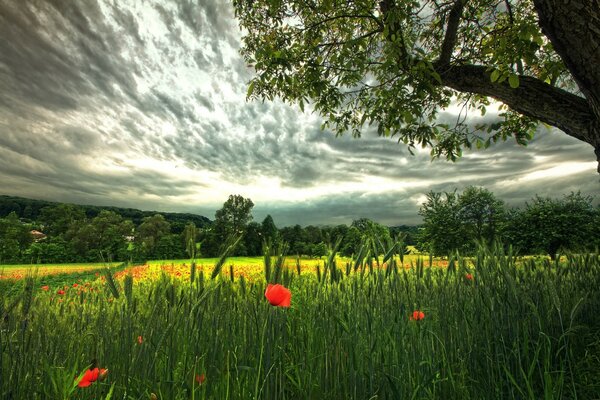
(573, 28)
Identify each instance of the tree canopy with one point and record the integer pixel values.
(395, 64)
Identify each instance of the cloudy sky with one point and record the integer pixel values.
(142, 104)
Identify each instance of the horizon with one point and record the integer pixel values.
(259, 219)
(145, 107)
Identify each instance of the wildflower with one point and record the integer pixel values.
(278, 295)
(45, 288)
(61, 292)
(469, 277)
(75, 285)
(92, 375)
(200, 379)
(417, 315)
(140, 339)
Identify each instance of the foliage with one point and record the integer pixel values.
(442, 231)
(268, 230)
(454, 222)
(15, 238)
(395, 64)
(149, 234)
(31, 209)
(548, 225)
(57, 220)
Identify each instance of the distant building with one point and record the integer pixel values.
(37, 235)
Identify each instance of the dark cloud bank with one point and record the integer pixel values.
(89, 90)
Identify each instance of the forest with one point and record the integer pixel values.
(35, 231)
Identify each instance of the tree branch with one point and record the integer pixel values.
(451, 32)
(533, 98)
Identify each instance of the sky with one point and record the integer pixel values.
(143, 104)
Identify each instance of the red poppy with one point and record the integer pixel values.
(417, 315)
(45, 288)
(278, 295)
(92, 375)
(75, 285)
(469, 277)
(60, 291)
(140, 340)
(200, 379)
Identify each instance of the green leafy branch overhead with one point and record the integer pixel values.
(395, 64)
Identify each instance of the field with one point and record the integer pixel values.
(21, 271)
(490, 327)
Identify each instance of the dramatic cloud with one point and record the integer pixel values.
(143, 105)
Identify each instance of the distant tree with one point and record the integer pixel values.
(410, 233)
(102, 238)
(332, 233)
(368, 228)
(317, 250)
(481, 213)
(253, 239)
(394, 64)
(148, 234)
(50, 250)
(442, 231)
(59, 218)
(296, 239)
(352, 241)
(14, 238)
(548, 225)
(313, 234)
(269, 231)
(168, 247)
(233, 217)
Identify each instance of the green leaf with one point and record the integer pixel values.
(513, 81)
(250, 89)
(495, 75)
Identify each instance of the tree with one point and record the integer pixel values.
(317, 250)
(233, 217)
(14, 238)
(102, 238)
(442, 231)
(351, 242)
(149, 233)
(395, 64)
(58, 219)
(548, 225)
(269, 231)
(480, 213)
(253, 239)
(296, 239)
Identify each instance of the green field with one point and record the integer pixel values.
(492, 329)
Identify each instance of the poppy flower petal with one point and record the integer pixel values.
(278, 295)
(84, 383)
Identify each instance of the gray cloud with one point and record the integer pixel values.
(141, 106)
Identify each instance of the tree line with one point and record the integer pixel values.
(452, 222)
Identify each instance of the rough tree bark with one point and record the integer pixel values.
(573, 27)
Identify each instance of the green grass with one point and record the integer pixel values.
(526, 332)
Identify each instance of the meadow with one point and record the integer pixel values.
(488, 327)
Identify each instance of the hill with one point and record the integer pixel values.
(29, 209)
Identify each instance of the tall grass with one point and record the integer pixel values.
(513, 331)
